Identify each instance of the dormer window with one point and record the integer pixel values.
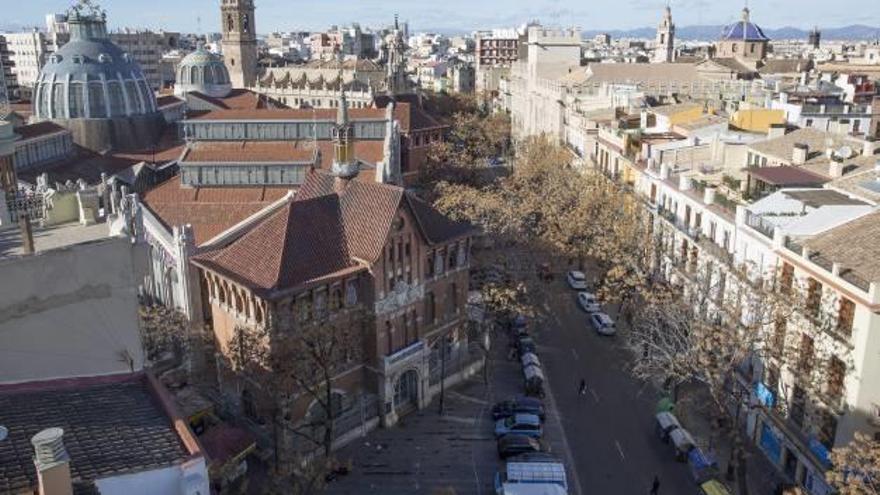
(104, 58)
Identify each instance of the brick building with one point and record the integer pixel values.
(367, 256)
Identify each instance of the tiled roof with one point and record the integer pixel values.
(248, 151)
(167, 100)
(39, 129)
(853, 245)
(303, 241)
(744, 31)
(641, 73)
(238, 99)
(325, 231)
(210, 210)
(289, 114)
(110, 427)
(785, 65)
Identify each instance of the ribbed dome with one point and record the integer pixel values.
(744, 30)
(204, 72)
(90, 77)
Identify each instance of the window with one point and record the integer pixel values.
(798, 403)
(814, 297)
(335, 297)
(321, 303)
(836, 377)
(787, 278)
(430, 314)
(845, 313)
(805, 354)
(351, 296)
(230, 24)
(453, 299)
(779, 329)
(828, 429)
(76, 101)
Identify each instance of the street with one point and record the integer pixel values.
(610, 429)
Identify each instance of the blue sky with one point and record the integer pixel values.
(181, 15)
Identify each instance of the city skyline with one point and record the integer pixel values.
(459, 15)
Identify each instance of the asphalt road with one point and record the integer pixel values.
(610, 429)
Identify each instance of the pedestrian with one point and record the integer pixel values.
(655, 486)
(583, 387)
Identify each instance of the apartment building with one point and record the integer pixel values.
(494, 53)
(147, 48)
(27, 52)
(816, 240)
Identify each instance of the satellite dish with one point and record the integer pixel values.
(844, 152)
(3, 433)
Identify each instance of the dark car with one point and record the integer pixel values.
(525, 345)
(518, 405)
(511, 445)
(535, 457)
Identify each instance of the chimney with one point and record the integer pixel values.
(664, 171)
(52, 462)
(709, 195)
(800, 153)
(835, 167)
(870, 147)
(775, 131)
(684, 183)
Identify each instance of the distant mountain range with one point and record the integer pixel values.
(709, 33)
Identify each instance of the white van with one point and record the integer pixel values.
(532, 478)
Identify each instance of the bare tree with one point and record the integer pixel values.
(163, 330)
(295, 371)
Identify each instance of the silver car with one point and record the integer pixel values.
(576, 280)
(588, 302)
(602, 323)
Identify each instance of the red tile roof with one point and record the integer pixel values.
(289, 114)
(249, 151)
(238, 99)
(210, 210)
(324, 232)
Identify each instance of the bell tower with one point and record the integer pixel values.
(239, 42)
(664, 48)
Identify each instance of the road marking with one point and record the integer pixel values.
(467, 398)
(620, 450)
(574, 353)
(595, 397)
(457, 419)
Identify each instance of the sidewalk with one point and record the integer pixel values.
(762, 477)
(429, 453)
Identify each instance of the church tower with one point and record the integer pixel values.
(239, 42)
(664, 47)
(345, 165)
(395, 59)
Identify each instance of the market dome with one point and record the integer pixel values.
(204, 72)
(90, 77)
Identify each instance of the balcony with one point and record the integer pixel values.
(760, 225)
(692, 232)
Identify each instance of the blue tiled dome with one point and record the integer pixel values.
(744, 30)
(90, 77)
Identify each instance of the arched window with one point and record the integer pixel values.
(117, 101)
(194, 75)
(76, 100)
(245, 24)
(230, 23)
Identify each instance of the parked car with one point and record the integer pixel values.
(533, 478)
(533, 381)
(602, 323)
(525, 345)
(588, 302)
(518, 405)
(519, 424)
(577, 280)
(519, 324)
(543, 456)
(517, 445)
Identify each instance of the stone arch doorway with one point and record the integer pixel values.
(406, 392)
